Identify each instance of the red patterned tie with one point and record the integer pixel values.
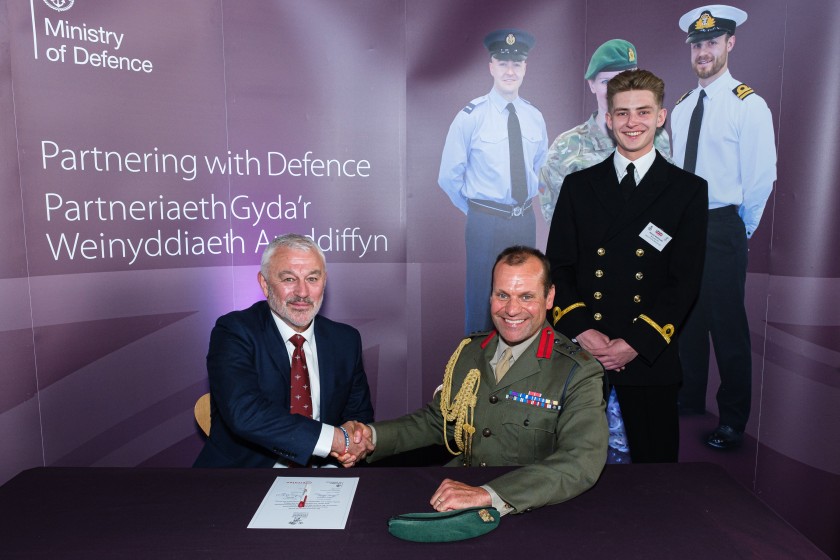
(301, 395)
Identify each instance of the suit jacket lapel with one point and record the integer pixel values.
(276, 346)
(605, 185)
(482, 361)
(326, 364)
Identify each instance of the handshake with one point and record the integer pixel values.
(360, 443)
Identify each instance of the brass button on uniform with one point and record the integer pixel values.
(599, 273)
(637, 298)
(494, 399)
(598, 316)
(598, 295)
(640, 252)
(639, 276)
(486, 432)
(601, 251)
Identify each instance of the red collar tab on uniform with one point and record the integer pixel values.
(546, 343)
(487, 340)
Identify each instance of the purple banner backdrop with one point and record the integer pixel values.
(151, 149)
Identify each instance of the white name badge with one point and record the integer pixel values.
(655, 236)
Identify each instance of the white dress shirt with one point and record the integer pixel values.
(736, 151)
(310, 351)
(642, 165)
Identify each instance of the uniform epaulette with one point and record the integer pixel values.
(742, 91)
(568, 348)
(686, 94)
(474, 103)
(526, 101)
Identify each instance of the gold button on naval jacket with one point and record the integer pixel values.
(639, 276)
(494, 399)
(486, 432)
(640, 252)
(599, 273)
(597, 295)
(637, 299)
(598, 316)
(601, 251)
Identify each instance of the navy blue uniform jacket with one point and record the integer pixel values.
(609, 278)
(248, 366)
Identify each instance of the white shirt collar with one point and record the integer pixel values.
(642, 165)
(720, 84)
(287, 332)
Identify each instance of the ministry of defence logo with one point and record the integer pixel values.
(59, 5)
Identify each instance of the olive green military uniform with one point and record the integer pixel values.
(563, 451)
(576, 149)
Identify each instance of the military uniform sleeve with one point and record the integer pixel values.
(569, 315)
(552, 174)
(580, 448)
(758, 161)
(421, 428)
(453, 162)
(652, 331)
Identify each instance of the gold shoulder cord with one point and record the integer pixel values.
(462, 407)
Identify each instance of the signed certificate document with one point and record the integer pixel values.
(306, 503)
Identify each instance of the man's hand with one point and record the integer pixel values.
(615, 355)
(361, 443)
(457, 495)
(591, 340)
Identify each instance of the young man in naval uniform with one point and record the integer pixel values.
(626, 249)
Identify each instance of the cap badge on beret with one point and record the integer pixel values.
(510, 39)
(616, 55)
(705, 21)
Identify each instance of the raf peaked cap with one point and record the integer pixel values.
(711, 21)
(509, 44)
(613, 56)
